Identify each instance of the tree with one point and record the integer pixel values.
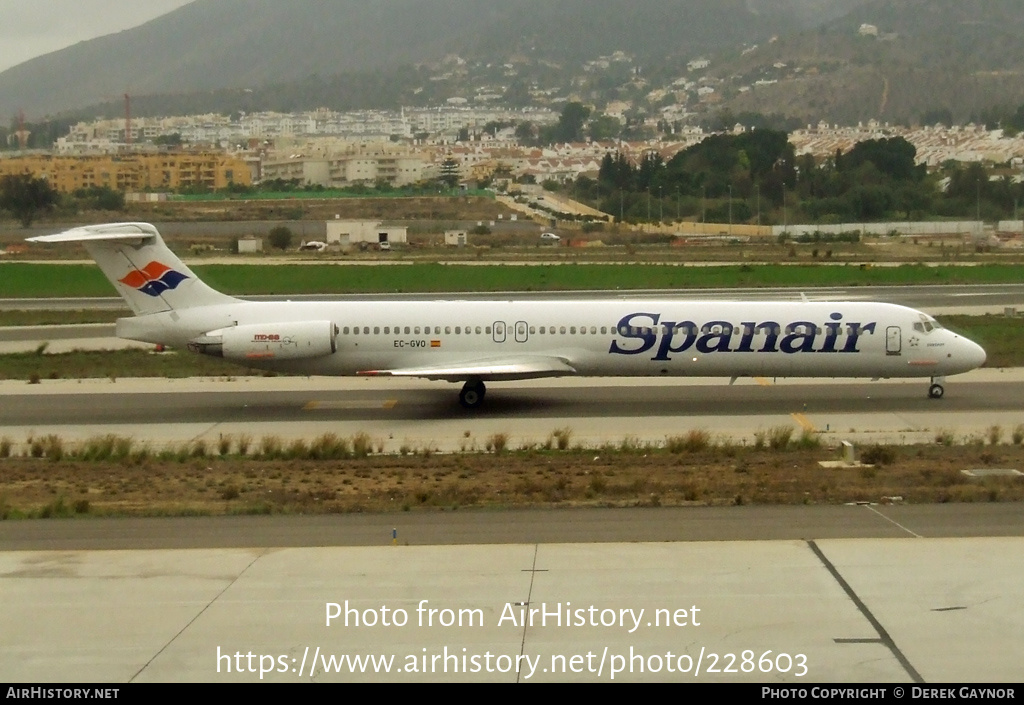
(280, 237)
(450, 172)
(100, 198)
(895, 157)
(26, 196)
(605, 127)
(570, 124)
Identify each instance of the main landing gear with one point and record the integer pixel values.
(472, 394)
(936, 390)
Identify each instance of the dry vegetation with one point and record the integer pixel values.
(46, 477)
(315, 209)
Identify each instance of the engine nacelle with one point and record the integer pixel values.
(271, 341)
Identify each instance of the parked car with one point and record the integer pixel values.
(549, 237)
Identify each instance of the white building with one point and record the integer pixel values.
(373, 232)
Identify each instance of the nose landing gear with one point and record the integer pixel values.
(936, 390)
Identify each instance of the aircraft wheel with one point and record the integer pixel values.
(472, 395)
(936, 391)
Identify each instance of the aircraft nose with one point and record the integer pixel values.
(971, 353)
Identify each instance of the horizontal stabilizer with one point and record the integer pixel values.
(495, 369)
(110, 232)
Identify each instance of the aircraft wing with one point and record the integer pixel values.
(492, 369)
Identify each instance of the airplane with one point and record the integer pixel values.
(476, 342)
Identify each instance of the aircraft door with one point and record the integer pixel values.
(522, 332)
(893, 340)
(499, 332)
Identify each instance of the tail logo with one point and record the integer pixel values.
(153, 279)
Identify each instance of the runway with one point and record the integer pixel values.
(933, 299)
(427, 414)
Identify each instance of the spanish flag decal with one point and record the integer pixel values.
(435, 343)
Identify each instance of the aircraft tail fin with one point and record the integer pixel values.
(147, 275)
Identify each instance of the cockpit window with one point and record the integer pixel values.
(927, 325)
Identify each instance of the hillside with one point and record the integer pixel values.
(958, 57)
(250, 44)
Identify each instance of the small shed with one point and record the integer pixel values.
(250, 245)
(456, 238)
(353, 232)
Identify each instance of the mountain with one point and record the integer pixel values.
(237, 44)
(955, 58)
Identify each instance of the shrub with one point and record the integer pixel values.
(328, 447)
(362, 445)
(270, 448)
(809, 440)
(779, 437)
(995, 435)
(243, 443)
(878, 455)
(280, 237)
(694, 441)
(1018, 435)
(498, 443)
(561, 437)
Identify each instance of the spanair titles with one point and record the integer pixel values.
(640, 333)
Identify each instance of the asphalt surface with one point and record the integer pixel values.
(933, 299)
(530, 526)
(581, 400)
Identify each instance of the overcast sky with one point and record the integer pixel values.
(30, 28)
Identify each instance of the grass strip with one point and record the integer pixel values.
(32, 280)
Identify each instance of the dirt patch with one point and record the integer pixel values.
(145, 485)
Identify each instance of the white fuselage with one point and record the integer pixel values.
(600, 338)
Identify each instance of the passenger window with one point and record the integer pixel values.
(407, 331)
(447, 330)
(344, 330)
(458, 330)
(562, 329)
(479, 330)
(572, 331)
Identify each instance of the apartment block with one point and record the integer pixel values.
(156, 172)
